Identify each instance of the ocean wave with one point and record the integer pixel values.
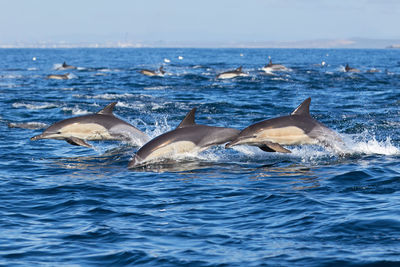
(28, 125)
(106, 96)
(34, 106)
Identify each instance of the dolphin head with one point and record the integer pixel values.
(53, 132)
(135, 162)
(241, 139)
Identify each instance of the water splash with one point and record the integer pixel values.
(368, 144)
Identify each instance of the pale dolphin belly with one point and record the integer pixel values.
(86, 131)
(290, 135)
(172, 149)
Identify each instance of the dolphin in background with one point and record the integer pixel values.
(347, 68)
(270, 67)
(232, 74)
(298, 128)
(102, 125)
(65, 76)
(151, 73)
(188, 137)
(65, 66)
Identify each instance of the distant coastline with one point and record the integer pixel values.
(360, 43)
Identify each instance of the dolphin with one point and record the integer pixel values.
(232, 74)
(65, 66)
(188, 137)
(58, 76)
(298, 128)
(349, 69)
(102, 125)
(151, 73)
(273, 67)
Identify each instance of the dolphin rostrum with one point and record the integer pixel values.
(298, 128)
(232, 74)
(160, 72)
(188, 137)
(102, 125)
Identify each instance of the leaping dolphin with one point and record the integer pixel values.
(270, 67)
(151, 73)
(298, 128)
(102, 125)
(232, 74)
(188, 137)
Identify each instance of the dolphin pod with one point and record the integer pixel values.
(270, 135)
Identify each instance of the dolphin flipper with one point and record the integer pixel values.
(77, 142)
(273, 147)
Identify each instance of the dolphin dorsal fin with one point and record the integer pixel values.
(64, 64)
(303, 109)
(239, 69)
(188, 120)
(108, 110)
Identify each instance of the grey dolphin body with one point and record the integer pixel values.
(273, 67)
(296, 129)
(150, 73)
(102, 125)
(347, 68)
(65, 66)
(186, 138)
(232, 74)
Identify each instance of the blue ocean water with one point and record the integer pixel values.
(75, 206)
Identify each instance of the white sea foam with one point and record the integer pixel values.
(366, 143)
(33, 106)
(72, 76)
(106, 96)
(76, 110)
(57, 66)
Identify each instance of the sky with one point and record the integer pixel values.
(189, 21)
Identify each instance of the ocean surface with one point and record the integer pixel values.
(64, 205)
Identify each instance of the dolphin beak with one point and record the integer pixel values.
(232, 143)
(37, 137)
(135, 162)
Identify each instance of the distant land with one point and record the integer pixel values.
(318, 43)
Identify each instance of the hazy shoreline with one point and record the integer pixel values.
(357, 43)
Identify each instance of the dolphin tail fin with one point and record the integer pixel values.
(108, 110)
(303, 108)
(189, 119)
(77, 142)
(274, 147)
